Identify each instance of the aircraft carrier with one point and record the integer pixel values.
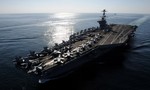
(81, 48)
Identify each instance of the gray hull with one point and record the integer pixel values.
(65, 69)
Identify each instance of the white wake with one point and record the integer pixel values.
(140, 21)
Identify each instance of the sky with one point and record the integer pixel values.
(74, 6)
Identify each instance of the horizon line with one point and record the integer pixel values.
(73, 12)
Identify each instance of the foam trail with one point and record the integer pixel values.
(140, 21)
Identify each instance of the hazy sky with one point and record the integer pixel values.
(83, 6)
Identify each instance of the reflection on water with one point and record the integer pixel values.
(65, 15)
(61, 29)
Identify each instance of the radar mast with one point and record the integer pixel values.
(103, 22)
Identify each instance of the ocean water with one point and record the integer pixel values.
(19, 33)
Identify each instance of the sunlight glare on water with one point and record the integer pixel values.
(61, 29)
(65, 15)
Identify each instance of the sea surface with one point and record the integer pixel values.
(128, 69)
